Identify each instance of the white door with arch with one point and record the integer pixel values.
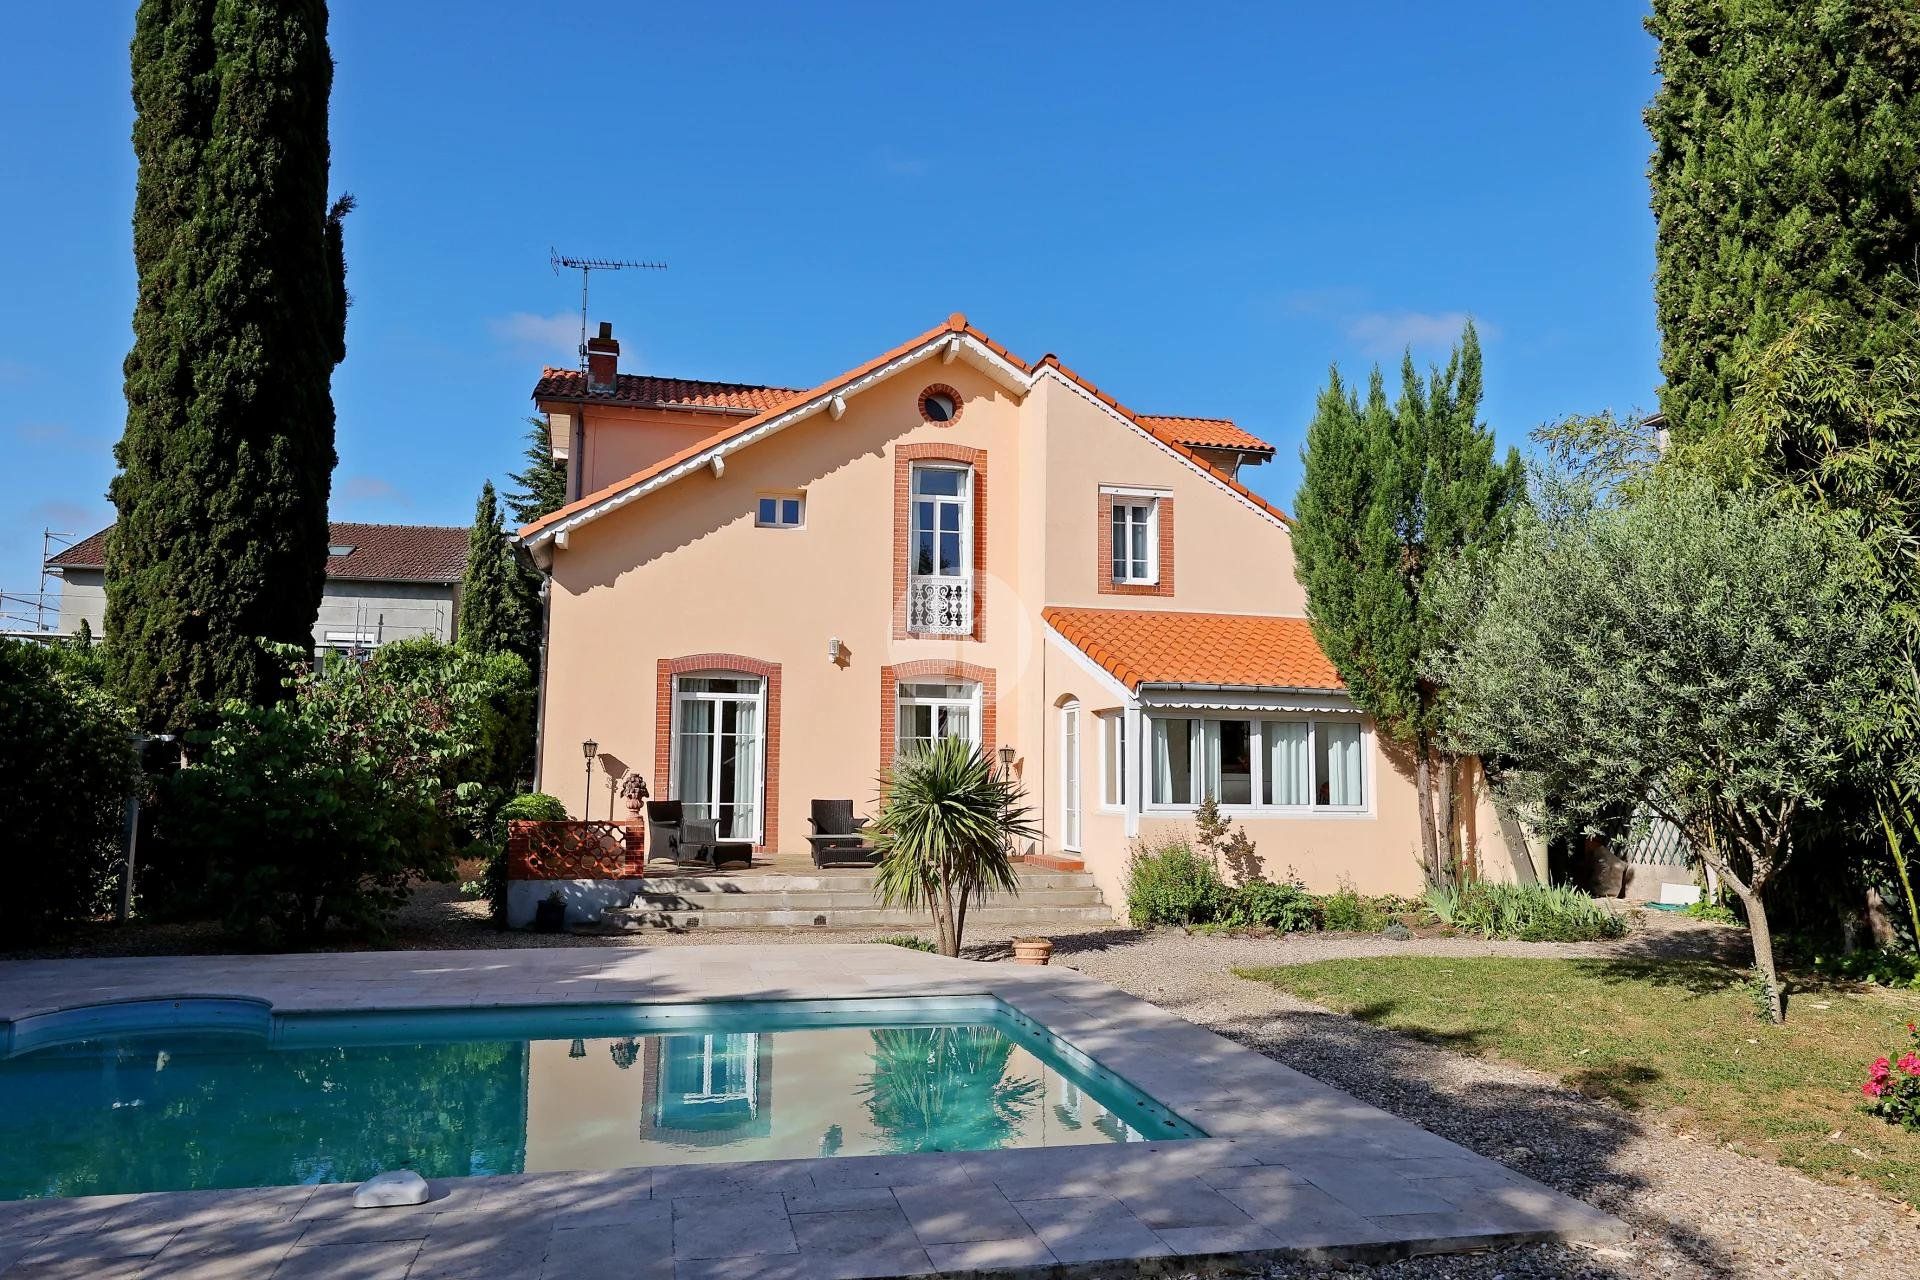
(1070, 775)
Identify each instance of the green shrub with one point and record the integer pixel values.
(1708, 909)
(1168, 883)
(321, 811)
(1347, 910)
(1262, 904)
(1874, 966)
(532, 806)
(66, 762)
(909, 941)
(1527, 913)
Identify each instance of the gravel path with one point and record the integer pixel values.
(1697, 1208)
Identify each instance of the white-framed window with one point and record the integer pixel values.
(719, 756)
(1070, 776)
(940, 549)
(1136, 540)
(1113, 760)
(927, 710)
(1303, 764)
(781, 511)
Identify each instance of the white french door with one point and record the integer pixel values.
(719, 751)
(1070, 776)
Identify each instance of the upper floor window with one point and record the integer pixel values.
(781, 511)
(1136, 541)
(940, 550)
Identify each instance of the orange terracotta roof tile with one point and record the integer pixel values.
(1150, 646)
(955, 324)
(1205, 433)
(381, 552)
(745, 398)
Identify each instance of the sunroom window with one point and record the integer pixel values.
(1278, 764)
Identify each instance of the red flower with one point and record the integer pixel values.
(1880, 1069)
(1873, 1088)
(1910, 1063)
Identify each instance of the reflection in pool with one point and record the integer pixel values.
(333, 1098)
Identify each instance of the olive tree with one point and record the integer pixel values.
(1700, 653)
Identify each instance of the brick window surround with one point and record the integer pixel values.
(953, 397)
(904, 456)
(1103, 549)
(667, 669)
(891, 678)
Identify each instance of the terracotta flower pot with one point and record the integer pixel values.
(1032, 950)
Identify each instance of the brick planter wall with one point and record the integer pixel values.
(576, 850)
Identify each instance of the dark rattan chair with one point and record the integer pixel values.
(838, 836)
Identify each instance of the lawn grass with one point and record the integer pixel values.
(1678, 1039)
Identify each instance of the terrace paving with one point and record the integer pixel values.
(1292, 1167)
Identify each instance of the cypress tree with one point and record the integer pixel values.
(1785, 173)
(485, 607)
(227, 456)
(543, 485)
(1391, 495)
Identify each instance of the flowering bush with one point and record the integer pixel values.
(1893, 1087)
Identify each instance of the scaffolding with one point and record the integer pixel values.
(37, 611)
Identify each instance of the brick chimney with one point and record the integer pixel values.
(603, 360)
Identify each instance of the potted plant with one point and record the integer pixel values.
(550, 915)
(1032, 950)
(634, 791)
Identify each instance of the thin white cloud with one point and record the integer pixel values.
(901, 164)
(556, 336)
(364, 488)
(1388, 333)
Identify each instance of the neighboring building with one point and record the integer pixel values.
(384, 582)
(760, 595)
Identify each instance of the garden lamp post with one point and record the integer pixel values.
(1006, 771)
(589, 749)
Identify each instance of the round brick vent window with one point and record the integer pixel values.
(940, 404)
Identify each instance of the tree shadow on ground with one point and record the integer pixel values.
(1555, 1135)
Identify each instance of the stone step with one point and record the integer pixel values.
(824, 882)
(823, 900)
(867, 917)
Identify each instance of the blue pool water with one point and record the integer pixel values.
(179, 1095)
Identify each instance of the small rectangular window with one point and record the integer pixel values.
(1337, 764)
(781, 511)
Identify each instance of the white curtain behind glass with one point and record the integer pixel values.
(1287, 776)
(693, 771)
(1340, 763)
(746, 771)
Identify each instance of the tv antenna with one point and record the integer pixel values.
(586, 267)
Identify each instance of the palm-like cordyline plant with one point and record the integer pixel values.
(945, 830)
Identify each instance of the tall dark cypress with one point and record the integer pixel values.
(227, 457)
(1786, 174)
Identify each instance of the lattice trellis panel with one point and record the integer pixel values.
(575, 850)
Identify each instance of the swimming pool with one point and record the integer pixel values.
(203, 1093)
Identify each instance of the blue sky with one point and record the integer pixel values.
(1198, 214)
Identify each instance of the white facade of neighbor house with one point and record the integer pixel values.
(352, 614)
(384, 583)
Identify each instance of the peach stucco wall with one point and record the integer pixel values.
(685, 571)
(622, 440)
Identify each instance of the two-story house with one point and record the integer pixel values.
(759, 596)
(384, 582)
